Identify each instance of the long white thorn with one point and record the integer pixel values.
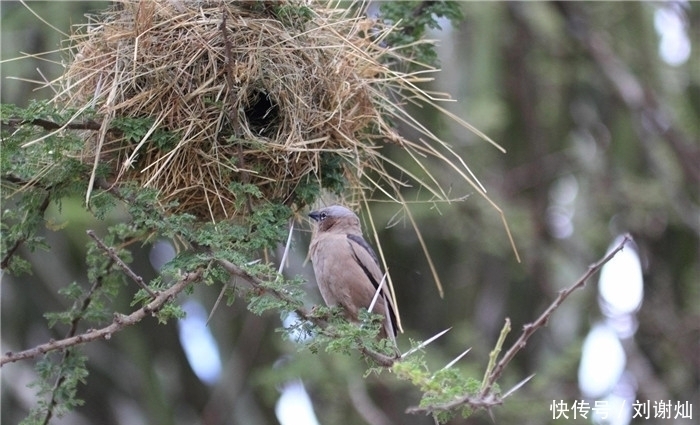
(456, 359)
(517, 386)
(424, 343)
(376, 294)
(286, 248)
(216, 304)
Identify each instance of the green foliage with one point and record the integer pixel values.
(47, 171)
(293, 15)
(41, 166)
(238, 242)
(90, 306)
(333, 172)
(135, 129)
(33, 174)
(268, 226)
(290, 292)
(24, 158)
(438, 388)
(40, 110)
(620, 168)
(169, 312)
(259, 303)
(57, 386)
(147, 219)
(339, 335)
(265, 227)
(415, 18)
(307, 190)
(19, 224)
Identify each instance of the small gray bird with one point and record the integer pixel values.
(347, 269)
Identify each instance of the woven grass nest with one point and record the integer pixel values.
(246, 101)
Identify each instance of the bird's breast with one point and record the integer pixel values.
(341, 279)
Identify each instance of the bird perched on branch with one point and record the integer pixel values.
(347, 269)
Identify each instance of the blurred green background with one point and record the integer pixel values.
(598, 106)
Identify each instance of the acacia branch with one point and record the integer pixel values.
(119, 322)
(112, 254)
(51, 125)
(486, 398)
(417, 12)
(256, 282)
(13, 249)
(260, 286)
(477, 402)
(542, 321)
(71, 332)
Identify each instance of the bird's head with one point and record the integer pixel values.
(336, 218)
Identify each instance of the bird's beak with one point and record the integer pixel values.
(315, 215)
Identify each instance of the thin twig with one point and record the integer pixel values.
(235, 101)
(496, 351)
(541, 321)
(125, 268)
(380, 359)
(119, 323)
(475, 402)
(259, 285)
(486, 398)
(71, 332)
(51, 125)
(416, 13)
(13, 249)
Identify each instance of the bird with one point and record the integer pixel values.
(347, 269)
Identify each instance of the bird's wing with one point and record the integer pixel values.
(368, 261)
(367, 247)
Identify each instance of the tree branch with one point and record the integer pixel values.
(418, 10)
(256, 282)
(111, 253)
(259, 285)
(542, 321)
(475, 402)
(66, 353)
(50, 125)
(486, 398)
(120, 322)
(13, 249)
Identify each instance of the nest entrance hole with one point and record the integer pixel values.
(262, 113)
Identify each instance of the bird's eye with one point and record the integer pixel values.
(323, 216)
